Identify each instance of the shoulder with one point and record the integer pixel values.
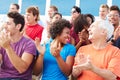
(40, 27)
(27, 41)
(85, 48)
(113, 48)
(69, 46)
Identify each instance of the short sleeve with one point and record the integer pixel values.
(72, 50)
(114, 64)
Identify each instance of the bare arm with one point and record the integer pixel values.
(0, 58)
(66, 67)
(38, 65)
(106, 74)
(76, 71)
(21, 64)
(39, 62)
(85, 64)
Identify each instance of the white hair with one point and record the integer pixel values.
(105, 24)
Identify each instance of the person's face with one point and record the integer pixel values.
(51, 12)
(29, 18)
(89, 20)
(10, 26)
(114, 17)
(56, 17)
(74, 14)
(94, 31)
(103, 13)
(65, 35)
(13, 8)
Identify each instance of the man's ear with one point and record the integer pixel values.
(18, 26)
(104, 32)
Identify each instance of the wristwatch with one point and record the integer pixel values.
(112, 40)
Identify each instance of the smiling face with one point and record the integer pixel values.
(10, 26)
(103, 13)
(114, 17)
(96, 32)
(30, 18)
(64, 36)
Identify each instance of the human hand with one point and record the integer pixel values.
(116, 33)
(4, 38)
(55, 51)
(83, 62)
(83, 36)
(40, 48)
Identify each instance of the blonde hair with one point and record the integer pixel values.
(104, 6)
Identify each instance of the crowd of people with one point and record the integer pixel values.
(82, 48)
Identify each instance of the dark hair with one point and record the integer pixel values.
(58, 26)
(56, 13)
(17, 19)
(80, 23)
(17, 6)
(77, 9)
(91, 16)
(115, 7)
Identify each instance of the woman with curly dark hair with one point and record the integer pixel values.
(56, 59)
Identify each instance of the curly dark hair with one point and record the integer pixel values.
(80, 23)
(17, 18)
(58, 26)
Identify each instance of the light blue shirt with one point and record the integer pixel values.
(51, 70)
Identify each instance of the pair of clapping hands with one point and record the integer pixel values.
(83, 62)
(54, 49)
(4, 36)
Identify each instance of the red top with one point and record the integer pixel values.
(34, 31)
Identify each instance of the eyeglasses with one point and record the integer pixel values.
(113, 15)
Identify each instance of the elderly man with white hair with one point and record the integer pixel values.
(99, 60)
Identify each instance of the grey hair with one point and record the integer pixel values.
(105, 24)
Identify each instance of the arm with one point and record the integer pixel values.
(20, 63)
(39, 62)
(38, 65)
(0, 58)
(85, 64)
(115, 35)
(24, 61)
(66, 67)
(106, 74)
(76, 71)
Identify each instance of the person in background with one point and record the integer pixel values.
(52, 9)
(90, 18)
(17, 53)
(32, 28)
(14, 7)
(81, 26)
(103, 11)
(56, 58)
(114, 18)
(45, 34)
(75, 12)
(99, 60)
